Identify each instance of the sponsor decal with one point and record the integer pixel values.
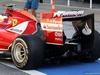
(14, 22)
(58, 34)
(58, 39)
(51, 27)
(86, 30)
(1, 19)
(68, 14)
(19, 28)
(47, 20)
(55, 22)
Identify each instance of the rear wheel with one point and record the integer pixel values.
(92, 54)
(27, 52)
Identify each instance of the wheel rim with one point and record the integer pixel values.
(19, 52)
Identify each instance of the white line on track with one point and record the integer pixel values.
(31, 72)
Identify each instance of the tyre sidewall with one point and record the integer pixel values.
(18, 64)
(34, 52)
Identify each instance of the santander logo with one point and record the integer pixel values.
(86, 30)
(51, 27)
(44, 26)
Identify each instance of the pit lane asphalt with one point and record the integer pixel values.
(67, 69)
(6, 70)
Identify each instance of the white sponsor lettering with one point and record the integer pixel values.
(58, 34)
(51, 27)
(59, 39)
(68, 14)
(55, 22)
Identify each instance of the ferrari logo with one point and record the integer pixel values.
(14, 22)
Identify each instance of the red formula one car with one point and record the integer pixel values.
(29, 42)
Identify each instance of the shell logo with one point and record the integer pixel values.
(47, 20)
(86, 30)
(1, 19)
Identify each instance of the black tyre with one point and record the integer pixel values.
(92, 54)
(27, 52)
(96, 51)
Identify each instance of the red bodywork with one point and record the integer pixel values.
(20, 22)
(53, 28)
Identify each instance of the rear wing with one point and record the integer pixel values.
(53, 27)
(68, 14)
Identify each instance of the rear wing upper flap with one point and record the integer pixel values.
(84, 17)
